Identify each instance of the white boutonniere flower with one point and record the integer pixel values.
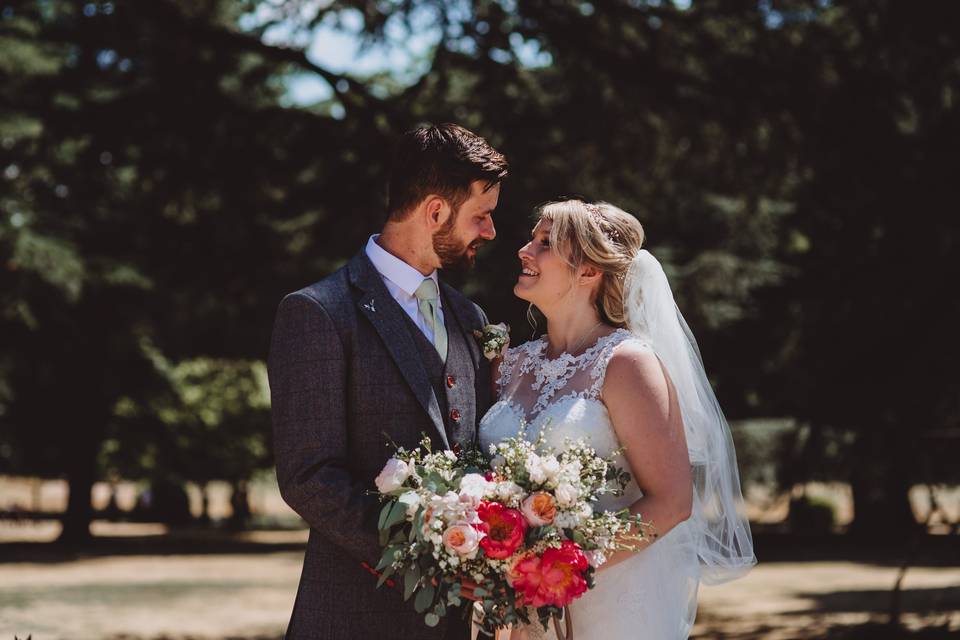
(493, 339)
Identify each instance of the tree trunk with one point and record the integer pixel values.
(881, 506)
(76, 519)
(240, 505)
(205, 503)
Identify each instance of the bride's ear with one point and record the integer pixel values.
(589, 275)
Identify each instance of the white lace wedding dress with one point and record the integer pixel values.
(652, 596)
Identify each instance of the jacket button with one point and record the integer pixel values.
(451, 381)
(455, 415)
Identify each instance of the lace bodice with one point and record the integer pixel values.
(651, 596)
(561, 396)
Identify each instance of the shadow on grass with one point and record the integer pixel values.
(930, 550)
(881, 631)
(925, 601)
(176, 542)
(934, 550)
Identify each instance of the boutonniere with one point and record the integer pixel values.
(493, 339)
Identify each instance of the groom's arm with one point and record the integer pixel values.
(307, 372)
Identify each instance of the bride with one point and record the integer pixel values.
(619, 366)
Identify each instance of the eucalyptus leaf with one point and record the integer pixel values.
(410, 579)
(384, 512)
(385, 576)
(424, 598)
(397, 514)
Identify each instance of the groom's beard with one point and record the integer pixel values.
(453, 252)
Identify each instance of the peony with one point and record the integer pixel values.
(393, 475)
(462, 540)
(566, 494)
(412, 500)
(504, 529)
(539, 509)
(555, 578)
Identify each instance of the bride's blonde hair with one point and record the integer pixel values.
(601, 235)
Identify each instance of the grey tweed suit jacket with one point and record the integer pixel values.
(344, 370)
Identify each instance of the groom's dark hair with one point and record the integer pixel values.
(442, 159)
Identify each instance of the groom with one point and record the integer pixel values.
(382, 346)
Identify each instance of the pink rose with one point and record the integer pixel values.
(539, 509)
(463, 540)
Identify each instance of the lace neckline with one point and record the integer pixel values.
(550, 375)
(541, 344)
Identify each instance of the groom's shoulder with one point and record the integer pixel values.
(332, 292)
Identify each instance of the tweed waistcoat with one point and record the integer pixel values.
(452, 381)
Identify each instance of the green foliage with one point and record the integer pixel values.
(791, 163)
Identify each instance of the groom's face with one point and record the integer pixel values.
(468, 227)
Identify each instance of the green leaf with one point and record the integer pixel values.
(424, 598)
(384, 576)
(397, 514)
(384, 512)
(410, 579)
(431, 619)
(387, 557)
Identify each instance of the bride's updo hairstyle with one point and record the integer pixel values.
(600, 235)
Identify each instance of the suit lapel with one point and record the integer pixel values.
(383, 312)
(462, 311)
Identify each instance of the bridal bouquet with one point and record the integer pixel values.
(519, 524)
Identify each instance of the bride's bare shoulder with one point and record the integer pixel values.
(635, 369)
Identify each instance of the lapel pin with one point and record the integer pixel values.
(369, 307)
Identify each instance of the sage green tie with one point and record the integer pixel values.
(428, 296)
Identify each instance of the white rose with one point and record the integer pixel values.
(566, 495)
(394, 474)
(412, 500)
(550, 466)
(462, 540)
(535, 469)
(473, 487)
(508, 490)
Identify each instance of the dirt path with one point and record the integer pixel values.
(250, 595)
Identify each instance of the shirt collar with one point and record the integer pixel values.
(395, 269)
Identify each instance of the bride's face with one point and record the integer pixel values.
(545, 277)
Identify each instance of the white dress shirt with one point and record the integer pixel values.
(402, 281)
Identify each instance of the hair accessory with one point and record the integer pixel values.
(608, 229)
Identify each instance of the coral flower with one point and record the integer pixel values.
(539, 509)
(555, 578)
(504, 527)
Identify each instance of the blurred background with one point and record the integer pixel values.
(170, 169)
